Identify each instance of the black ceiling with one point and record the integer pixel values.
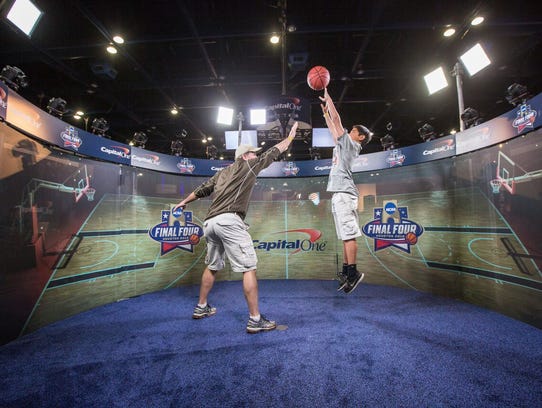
(199, 54)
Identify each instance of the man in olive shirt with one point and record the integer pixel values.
(226, 232)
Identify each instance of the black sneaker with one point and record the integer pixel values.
(201, 312)
(352, 283)
(343, 280)
(263, 324)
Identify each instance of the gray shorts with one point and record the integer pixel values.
(227, 235)
(344, 207)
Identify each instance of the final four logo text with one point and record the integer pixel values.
(176, 231)
(392, 228)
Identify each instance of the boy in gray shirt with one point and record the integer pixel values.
(344, 202)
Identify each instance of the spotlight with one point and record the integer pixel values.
(427, 132)
(99, 126)
(470, 118)
(140, 139)
(13, 77)
(177, 147)
(56, 106)
(516, 94)
(225, 115)
(212, 152)
(258, 117)
(24, 15)
(387, 142)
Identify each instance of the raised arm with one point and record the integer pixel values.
(333, 120)
(283, 145)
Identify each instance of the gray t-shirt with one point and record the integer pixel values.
(340, 176)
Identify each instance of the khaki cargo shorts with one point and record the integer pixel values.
(227, 235)
(345, 214)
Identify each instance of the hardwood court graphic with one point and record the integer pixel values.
(117, 259)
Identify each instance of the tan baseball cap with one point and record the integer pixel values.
(244, 148)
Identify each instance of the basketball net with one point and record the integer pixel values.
(495, 185)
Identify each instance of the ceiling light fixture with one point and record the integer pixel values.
(25, 16)
(449, 32)
(225, 116)
(258, 117)
(118, 39)
(435, 80)
(111, 49)
(475, 59)
(477, 20)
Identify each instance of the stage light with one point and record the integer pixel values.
(111, 50)
(258, 116)
(174, 111)
(225, 116)
(13, 77)
(140, 139)
(387, 142)
(471, 117)
(435, 80)
(274, 39)
(211, 152)
(315, 153)
(99, 126)
(25, 15)
(427, 132)
(516, 94)
(475, 59)
(56, 106)
(118, 39)
(177, 147)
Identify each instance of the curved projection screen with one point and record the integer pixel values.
(80, 233)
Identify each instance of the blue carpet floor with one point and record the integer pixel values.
(377, 347)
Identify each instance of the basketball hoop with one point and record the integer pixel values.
(495, 185)
(89, 192)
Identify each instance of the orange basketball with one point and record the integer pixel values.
(318, 78)
(194, 239)
(411, 238)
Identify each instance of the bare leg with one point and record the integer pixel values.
(350, 248)
(250, 287)
(207, 281)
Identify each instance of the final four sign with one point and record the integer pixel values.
(176, 231)
(391, 227)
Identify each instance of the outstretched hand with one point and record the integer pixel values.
(326, 98)
(293, 130)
